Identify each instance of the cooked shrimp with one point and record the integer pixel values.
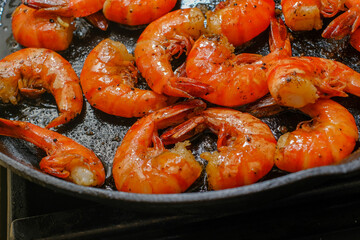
(67, 8)
(355, 39)
(246, 146)
(138, 12)
(32, 28)
(108, 79)
(236, 79)
(65, 158)
(32, 71)
(143, 165)
(240, 20)
(98, 20)
(305, 15)
(346, 24)
(327, 139)
(162, 39)
(298, 81)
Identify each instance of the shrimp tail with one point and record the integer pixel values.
(188, 87)
(184, 131)
(98, 20)
(330, 8)
(176, 113)
(63, 117)
(37, 4)
(343, 25)
(279, 39)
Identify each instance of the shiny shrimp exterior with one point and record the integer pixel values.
(143, 165)
(32, 28)
(139, 12)
(108, 80)
(245, 146)
(346, 24)
(32, 71)
(240, 20)
(67, 8)
(355, 39)
(162, 39)
(65, 158)
(305, 15)
(327, 139)
(236, 79)
(298, 81)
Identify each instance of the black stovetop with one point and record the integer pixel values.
(34, 212)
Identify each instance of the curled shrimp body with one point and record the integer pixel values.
(67, 8)
(327, 139)
(298, 81)
(108, 80)
(245, 146)
(32, 71)
(32, 28)
(167, 36)
(138, 12)
(240, 20)
(305, 15)
(65, 158)
(236, 79)
(143, 165)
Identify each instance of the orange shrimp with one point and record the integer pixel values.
(143, 165)
(67, 8)
(32, 28)
(240, 20)
(346, 24)
(138, 12)
(167, 36)
(236, 79)
(298, 81)
(327, 139)
(65, 158)
(246, 146)
(355, 39)
(108, 79)
(305, 15)
(32, 71)
(98, 20)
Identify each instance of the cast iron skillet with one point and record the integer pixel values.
(103, 133)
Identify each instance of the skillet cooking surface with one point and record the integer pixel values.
(103, 133)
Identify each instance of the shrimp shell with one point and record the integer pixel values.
(159, 42)
(327, 139)
(33, 28)
(143, 165)
(65, 158)
(30, 72)
(108, 80)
